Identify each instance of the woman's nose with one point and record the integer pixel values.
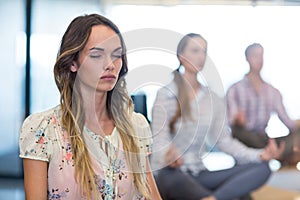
(109, 64)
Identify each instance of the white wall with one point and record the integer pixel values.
(228, 30)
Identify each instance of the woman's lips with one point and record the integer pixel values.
(108, 77)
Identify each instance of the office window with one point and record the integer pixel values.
(48, 28)
(12, 63)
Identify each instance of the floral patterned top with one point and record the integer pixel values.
(43, 138)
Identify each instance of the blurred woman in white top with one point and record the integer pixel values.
(188, 121)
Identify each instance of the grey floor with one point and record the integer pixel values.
(286, 178)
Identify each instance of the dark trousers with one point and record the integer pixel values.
(291, 154)
(228, 184)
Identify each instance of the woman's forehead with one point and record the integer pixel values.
(103, 36)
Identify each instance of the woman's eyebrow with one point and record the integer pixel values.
(97, 48)
(101, 49)
(117, 49)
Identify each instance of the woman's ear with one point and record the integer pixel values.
(74, 67)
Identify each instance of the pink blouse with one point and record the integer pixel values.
(43, 138)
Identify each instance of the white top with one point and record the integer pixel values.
(194, 137)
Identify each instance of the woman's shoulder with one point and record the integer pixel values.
(168, 91)
(211, 93)
(44, 117)
(212, 97)
(141, 125)
(139, 120)
(143, 132)
(37, 135)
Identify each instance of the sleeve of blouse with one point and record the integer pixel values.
(144, 133)
(34, 141)
(160, 128)
(220, 136)
(281, 111)
(144, 138)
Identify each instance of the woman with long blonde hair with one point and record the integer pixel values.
(91, 146)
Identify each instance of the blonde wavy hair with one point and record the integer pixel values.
(120, 106)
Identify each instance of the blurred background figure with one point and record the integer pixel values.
(188, 120)
(250, 104)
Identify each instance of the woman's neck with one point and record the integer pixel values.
(96, 114)
(94, 105)
(192, 80)
(193, 84)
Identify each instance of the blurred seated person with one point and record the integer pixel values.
(250, 103)
(188, 120)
